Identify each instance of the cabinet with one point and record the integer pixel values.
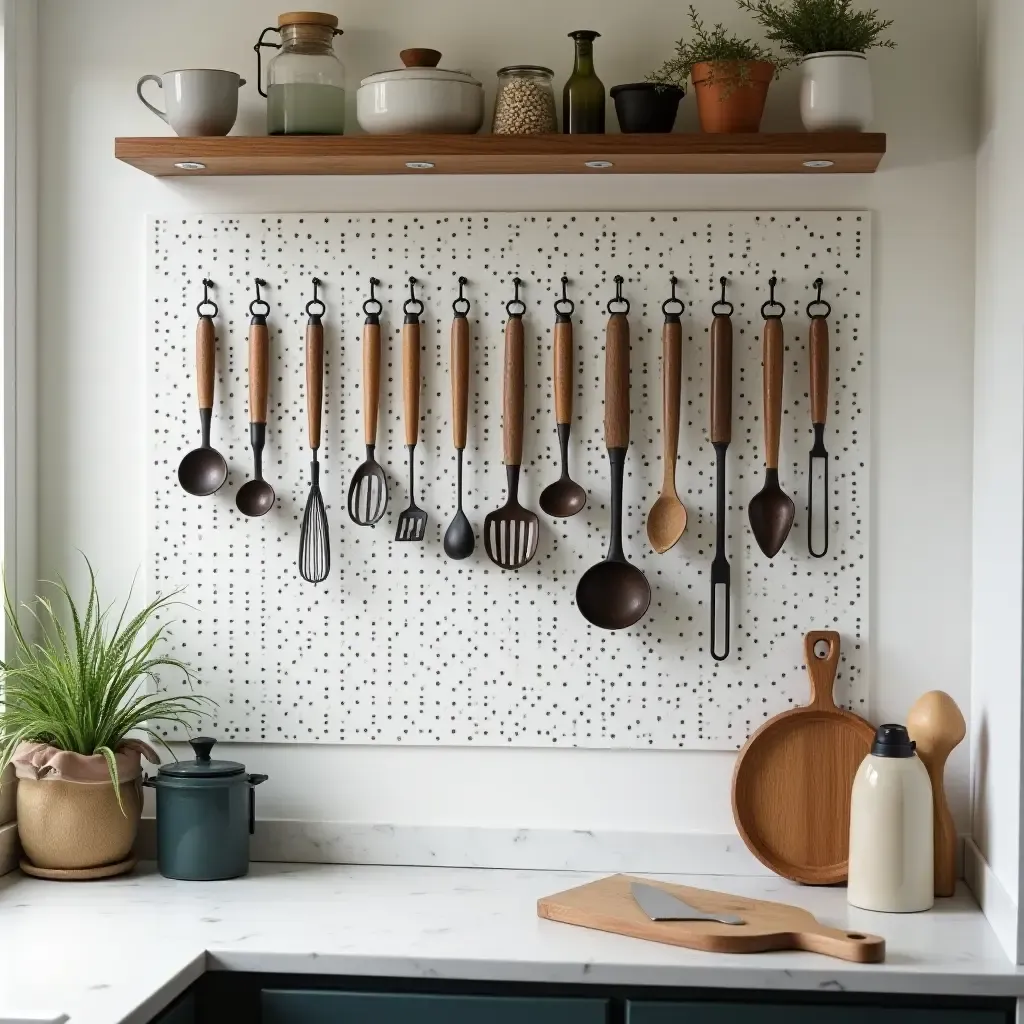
(181, 1012)
(754, 1013)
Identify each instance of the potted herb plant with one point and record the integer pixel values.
(71, 701)
(830, 39)
(730, 76)
(647, 106)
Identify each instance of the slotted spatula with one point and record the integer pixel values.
(412, 523)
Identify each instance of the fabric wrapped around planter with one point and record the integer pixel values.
(41, 761)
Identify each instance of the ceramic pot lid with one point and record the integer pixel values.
(421, 63)
(203, 767)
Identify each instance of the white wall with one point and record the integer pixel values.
(92, 415)
(999, 448)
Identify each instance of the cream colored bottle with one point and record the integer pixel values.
(891, 840)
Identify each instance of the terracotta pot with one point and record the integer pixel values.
(728, 101)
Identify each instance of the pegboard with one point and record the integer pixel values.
(402, 645)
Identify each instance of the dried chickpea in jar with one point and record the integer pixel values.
(525, 102)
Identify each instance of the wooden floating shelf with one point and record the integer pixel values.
(690, 153)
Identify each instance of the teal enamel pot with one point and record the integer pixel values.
(205, 813)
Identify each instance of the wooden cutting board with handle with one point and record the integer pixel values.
(793, 778)
(608, 906)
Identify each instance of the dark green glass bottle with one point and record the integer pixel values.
(583, 96)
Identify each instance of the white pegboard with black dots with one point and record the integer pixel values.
(402, 645)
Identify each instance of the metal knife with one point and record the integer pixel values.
(660, 905)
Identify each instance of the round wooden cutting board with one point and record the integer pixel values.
(792, 782)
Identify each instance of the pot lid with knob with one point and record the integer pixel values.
(203, 766)
(421, 63)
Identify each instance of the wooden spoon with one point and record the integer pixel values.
(936, 725)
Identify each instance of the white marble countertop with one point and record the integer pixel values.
(117, 952)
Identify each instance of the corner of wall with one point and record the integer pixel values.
(995, 902)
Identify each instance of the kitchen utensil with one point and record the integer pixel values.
(205, 813)
(420, 98)
(936, 726)
(458, 538)
(412, 523)
(583, 99)
(305, 80)
(721, 435)
(511, 533)
(200, 101)
(667, 518)
(608, 905)
(203, 470)
(564, 497)
(818, 347)
(256, 497)
(661, 905)
(771, 510)
(792, 780)
(892, 853)
(314, 538)
(524, 103)
(368, 492)
(614, 594)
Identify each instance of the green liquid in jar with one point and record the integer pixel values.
(299, 108)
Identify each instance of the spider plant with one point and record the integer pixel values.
(83, 689)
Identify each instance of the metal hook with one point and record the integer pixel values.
(560, 311)
(773, 281)
(723, 301)
(516, 301)
(373, 307)
(207, 301)
(316, 301)
(460, 307)
(412, 301)
(819, 301)
(619, 280)
(675, 315)
(259, 300)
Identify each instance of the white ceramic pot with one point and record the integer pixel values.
(420, 100)
(836, 92)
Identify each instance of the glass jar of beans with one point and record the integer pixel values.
(525, 102)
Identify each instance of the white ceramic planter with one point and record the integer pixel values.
(836, 92)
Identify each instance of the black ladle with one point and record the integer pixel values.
(564, 497)
(256, 497)
(614, 594)
(459, 540)
(203, 470)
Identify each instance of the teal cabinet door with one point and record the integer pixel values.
(181, 1012)
(283, 1006)
(752, 1013)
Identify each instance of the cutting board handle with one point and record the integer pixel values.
(822, 671)
(858, 947)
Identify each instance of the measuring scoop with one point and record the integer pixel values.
(256, 497)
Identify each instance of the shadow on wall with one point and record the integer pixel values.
(979, 775)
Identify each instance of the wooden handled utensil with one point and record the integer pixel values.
(368, 492)
(818, 346)
(256, 497)
(792, 781)
(771, 510)
(609, 906)
(721, 435)
(412, 523)
(936, 726)
(511, 532)
(564, 497)
(458, 538)
(203, 470)
(667, 519)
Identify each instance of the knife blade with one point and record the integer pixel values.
(660, 905)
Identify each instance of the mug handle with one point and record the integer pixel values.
(138, 89)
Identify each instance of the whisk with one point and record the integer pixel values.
(314, 539)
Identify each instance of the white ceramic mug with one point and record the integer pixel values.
(199, 101)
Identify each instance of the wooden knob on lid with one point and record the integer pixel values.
(418, 57)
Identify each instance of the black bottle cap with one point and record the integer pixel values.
(893, 741)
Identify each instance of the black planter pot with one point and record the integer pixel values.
(646, 107)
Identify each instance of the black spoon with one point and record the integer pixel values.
(203, 470)
(458, 538)
(256, 497)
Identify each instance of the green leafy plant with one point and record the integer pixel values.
(79, 689)
(801, 27)
(717, 47)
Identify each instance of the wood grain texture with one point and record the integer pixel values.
(772, 368)
(206, 361)
(608, 905)
(460, 380)
(671, 386)
(411, 381)
(818, 346)
(721, 380)
(564, 354)
(616, 382)
(678, 153)
(371, 381)
(793, 779)
(259, 369)
(314, 380)
(937, 726)
(512, 394)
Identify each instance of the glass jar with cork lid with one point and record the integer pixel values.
(305, 81)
